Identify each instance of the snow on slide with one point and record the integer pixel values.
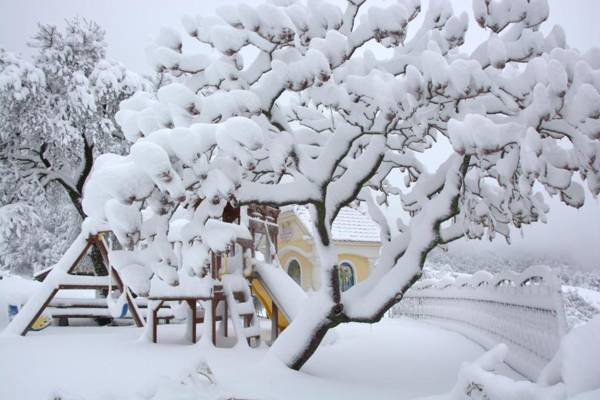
(287, 294)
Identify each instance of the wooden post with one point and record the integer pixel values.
(213, 314)
(193, 305)
(219, 264)
(155, 320)
(154, 328)
(213, 265)
(225, 317)
(253, 235)
(268, 257)
(274, 321)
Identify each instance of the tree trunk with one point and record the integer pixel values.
(325, 310)
(299, 341)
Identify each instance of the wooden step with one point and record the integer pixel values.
(62, 302)
(94, 312)
(85, 282)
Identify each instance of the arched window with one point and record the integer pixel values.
(346, 273)
(294, 271)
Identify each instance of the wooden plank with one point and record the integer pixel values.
(69, 286)
(180, 298)
(91, 315)
(75, 305)
(62, 302)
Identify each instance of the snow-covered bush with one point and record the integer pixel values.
(56, 115)
(581, 305)
(19, 247)
(583, 279)
(292, 103)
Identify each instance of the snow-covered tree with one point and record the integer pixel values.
(19, 247)
(294, 103)
(57, 112)
(56, 115)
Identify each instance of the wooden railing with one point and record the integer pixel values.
(524, 311)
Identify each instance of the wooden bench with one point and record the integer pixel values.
(63, 308)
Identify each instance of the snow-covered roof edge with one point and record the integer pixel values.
(350, 225)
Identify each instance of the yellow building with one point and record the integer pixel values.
(355, 236)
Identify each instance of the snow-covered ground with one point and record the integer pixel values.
(394, 359)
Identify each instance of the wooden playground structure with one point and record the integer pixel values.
(223, 303)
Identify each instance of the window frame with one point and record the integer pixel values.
(287, 269)
(352, 268)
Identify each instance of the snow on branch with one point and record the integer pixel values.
(314, 116)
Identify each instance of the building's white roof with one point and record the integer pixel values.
(350, 225)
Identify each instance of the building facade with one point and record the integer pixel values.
(354, 234)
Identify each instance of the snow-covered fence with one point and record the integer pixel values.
(524, 311)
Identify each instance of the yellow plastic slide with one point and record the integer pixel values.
(42, 322)
(263, 296)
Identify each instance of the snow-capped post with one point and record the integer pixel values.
(294, 104)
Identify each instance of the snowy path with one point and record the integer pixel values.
(395, 359)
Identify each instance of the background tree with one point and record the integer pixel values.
(56, 115)
(290, 105)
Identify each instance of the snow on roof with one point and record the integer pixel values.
(350, 225)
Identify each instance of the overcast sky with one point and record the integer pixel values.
(130, 24)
